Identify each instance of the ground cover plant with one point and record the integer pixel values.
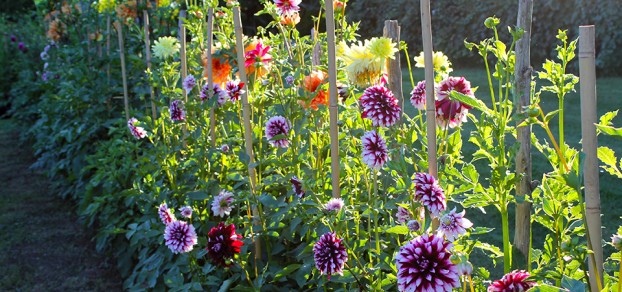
(201, 156)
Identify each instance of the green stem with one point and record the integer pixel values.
(490, 86)
(561, 127)
(507, 250)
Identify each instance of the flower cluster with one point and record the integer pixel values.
(365, 61)
(223, 244)
(453, 224)
(137, 132)
(222, 204)
(176, 110)
(424, 264)
(380, 106)
(452, 112)
(442, 65)
(515, 281)
(330, 254)
(429, 193)
(277, 129)
(375, 152)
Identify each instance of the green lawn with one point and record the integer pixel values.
(609, 91)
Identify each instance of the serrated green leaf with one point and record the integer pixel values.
(470, 101)
(611, 131)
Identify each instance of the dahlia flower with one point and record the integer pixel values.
(514, 281)
(417, 96)
(177, 110)
(277, 126)
(13, 38)
(189, 83)
(290, 20)
(137, 132)
(165, 214)
(330, 254)
(334, 205)
(382, 48)
(362, 67)
(257, 59)
(223, 244)
(222, 204)
(616, 241)
(289, 80)
(380, 106)
(186, 211)
(402, 215)
(287, 7)
(180, 236)
(221, 69)
(452, 112)
(165, 47)
(224, 148)
(465, 268)
(217, 92)
(423, 264)
(413, 225)
(234, 89)
(375, 152)
(453, 225)
(339, 7)
(429, 193)
(297, 186)
(441, 63)
(312, 84)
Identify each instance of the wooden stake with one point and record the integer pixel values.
(119, 29)
(182, 50)
(148, 60)
(246, 113)
(334, 104)
(587, 72)
(394, 68)
(210, 74)
(522, 73)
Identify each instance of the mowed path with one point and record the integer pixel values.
(43, 247)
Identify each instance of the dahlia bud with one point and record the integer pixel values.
(616, 241)
(465, 268)
(339, 7)
(224, 148)
(491, 22)
(455, 259)
(413, 225)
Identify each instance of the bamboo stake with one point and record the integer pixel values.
(248, 134)
(333, 109)
(394, 69)
(148, 59)
(522, 73)
(119, 29)
(210, 74)
(587, 72)
(182, 50)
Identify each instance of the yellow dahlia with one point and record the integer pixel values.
(165, 47)
(442, 66)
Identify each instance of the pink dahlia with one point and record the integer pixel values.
(334, 205)
(402, 216)
(137, 132)
(186, 211)
(297, 186)
(380, 106)
(189, 83)
(222, 204)
(375, 152)
(223, 244)
(423, 264)
(177, 110)
(453, 225)
(180, 236)
(514, 281)
(330, 254)
(429, 193)
(277, 129)
(234, 89)
(287, 7)
(217, 93)
(165, 214)
(259, 58)
(417, 96)
(452, 112)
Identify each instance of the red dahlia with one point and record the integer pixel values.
(223, 244)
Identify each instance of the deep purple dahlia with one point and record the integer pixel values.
(380, 106)
(177, 110)
(223, 243)
(277, 126)
(429, 193)
(297, 186)
(330, 254)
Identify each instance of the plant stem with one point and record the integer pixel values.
(507, 256)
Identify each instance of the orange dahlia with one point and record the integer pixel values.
(312, 84)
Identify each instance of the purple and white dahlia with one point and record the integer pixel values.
(334, 205)
(137, 132)
(330, 254)
(424, 264)
(452, 112)
(186, 211)
(180, 237)
(375, 152)
(165, 214)
(402, 215)
(217, 93)
(189, 83)
(297, 186)
(514, 281)
(453, 225)
(222, 204)
(429, 193)
(277, 126)
(177, 110)
(380, 106)
(417, 96)
(234, 89)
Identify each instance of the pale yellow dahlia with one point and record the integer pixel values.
(165, 47)
(382, 48)
(362, 66)
(441, 63)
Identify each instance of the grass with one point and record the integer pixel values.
(42, 247)
(609, 91)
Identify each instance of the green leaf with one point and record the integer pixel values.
(550, 115)
(573, 285)
(611, 131)
(198, 195)
(399, 229)
(286, 271)
(546, 288)
(470, 101)
(225, 285)
(606, 119)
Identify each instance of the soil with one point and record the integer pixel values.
(43, 247)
